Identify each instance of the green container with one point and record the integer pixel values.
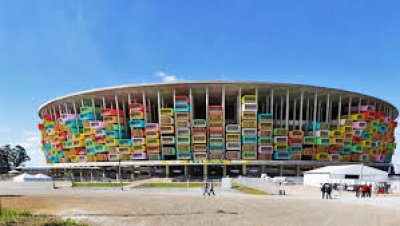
(100, 148)
(199, 123)
(265, 141)
(67, 144)
(347, 143)
(280, 132)
(391, 146)
(89, 144)
(357, 149)
(84, 110)
(309, 140)
(182, 139)
(324, 141)
(216, 141)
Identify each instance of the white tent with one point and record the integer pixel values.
(25, 177)
(344, 174)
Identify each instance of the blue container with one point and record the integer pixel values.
(90, 151)
(281, 155)
(388, 159)
(295, 149)
(264, 117)
(136, 123)
(184, 155)
(310, 126)
(55, 159)
(346, 150)
(249, 139)
(73, 123)
(113, 133)
(382, 129)
(182, 107)
(47, 147)
(125, 142)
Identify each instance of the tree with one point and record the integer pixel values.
(11, 158)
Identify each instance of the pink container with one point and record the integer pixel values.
(265, 149)
(387, 119)
(65, 117)
(367, 108)
(152, 126)
(97, 124)
(359, 125)
(379, 158)
(139, 156)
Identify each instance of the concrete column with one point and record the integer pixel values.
(280, 170)
(349, 111)
(298, 170)
(339, 111)
(287, 110)
(294, 114)
(301, 110)
(262, 168)
(144, 105)
(80, 175)
(315, 113)
(104, 175)
(167, 171)
(118, 116)
(72, 175)
(91, 175)
(281, 113)
(186, 171)
(94, 110)
(205, 171)
(224, 171)
(307, 113)
(359, 106)
(244, 172)
(271, 110)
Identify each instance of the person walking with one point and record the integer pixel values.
(211, 190)
(364, 190)
(369, 190)
(323, 190)
(328, 190)
(358, 191)
(205, 189)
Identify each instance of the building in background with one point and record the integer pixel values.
(212, 129)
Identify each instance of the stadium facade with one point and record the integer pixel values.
(213, 129)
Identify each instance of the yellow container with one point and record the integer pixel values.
(111, 142)
(124, 150)
(249, 123)
(152, 142)
(249, 115)
(249, 99)
(232, 137)
(167, 130)
(167, 111)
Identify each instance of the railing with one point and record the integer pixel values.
(259, 184)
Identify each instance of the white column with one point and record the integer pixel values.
(315, 112)
(118, 116)
(327, 108)
(287, 110)
(301, 110)
(339, 111)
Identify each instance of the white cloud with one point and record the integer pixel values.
(166, 78)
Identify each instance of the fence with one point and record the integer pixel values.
(259, 184)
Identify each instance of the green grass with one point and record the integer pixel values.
(247, 190)
(174, 185)
(15, 217)
(97, 184)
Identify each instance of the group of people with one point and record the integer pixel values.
(363, 191)
(326, 190)
(208, 189)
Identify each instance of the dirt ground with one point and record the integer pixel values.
(301, 206)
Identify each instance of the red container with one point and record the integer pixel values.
(110, 112)
(199, 131)
(41, 126)
(295, 141)
(137, 107)
(334, 149)
(181, 99)
(80, 151)
(215, 109)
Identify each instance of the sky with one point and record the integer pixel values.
(53, 48)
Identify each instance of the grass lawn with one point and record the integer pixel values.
(97, 184)
(174, 185)
(14, 217)
(247, 190)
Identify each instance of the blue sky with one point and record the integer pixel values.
(52, 48)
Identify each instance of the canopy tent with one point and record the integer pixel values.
(25, 177)
(344, 174)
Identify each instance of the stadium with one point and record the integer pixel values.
(208, 129)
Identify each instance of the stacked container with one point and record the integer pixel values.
(137, 124)
(199, 139)
(249, 127)
(182, 127)
(167, 131)
(281, 147)
(265, 140)
(233, 143)
(153, 141)
(216, 132)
